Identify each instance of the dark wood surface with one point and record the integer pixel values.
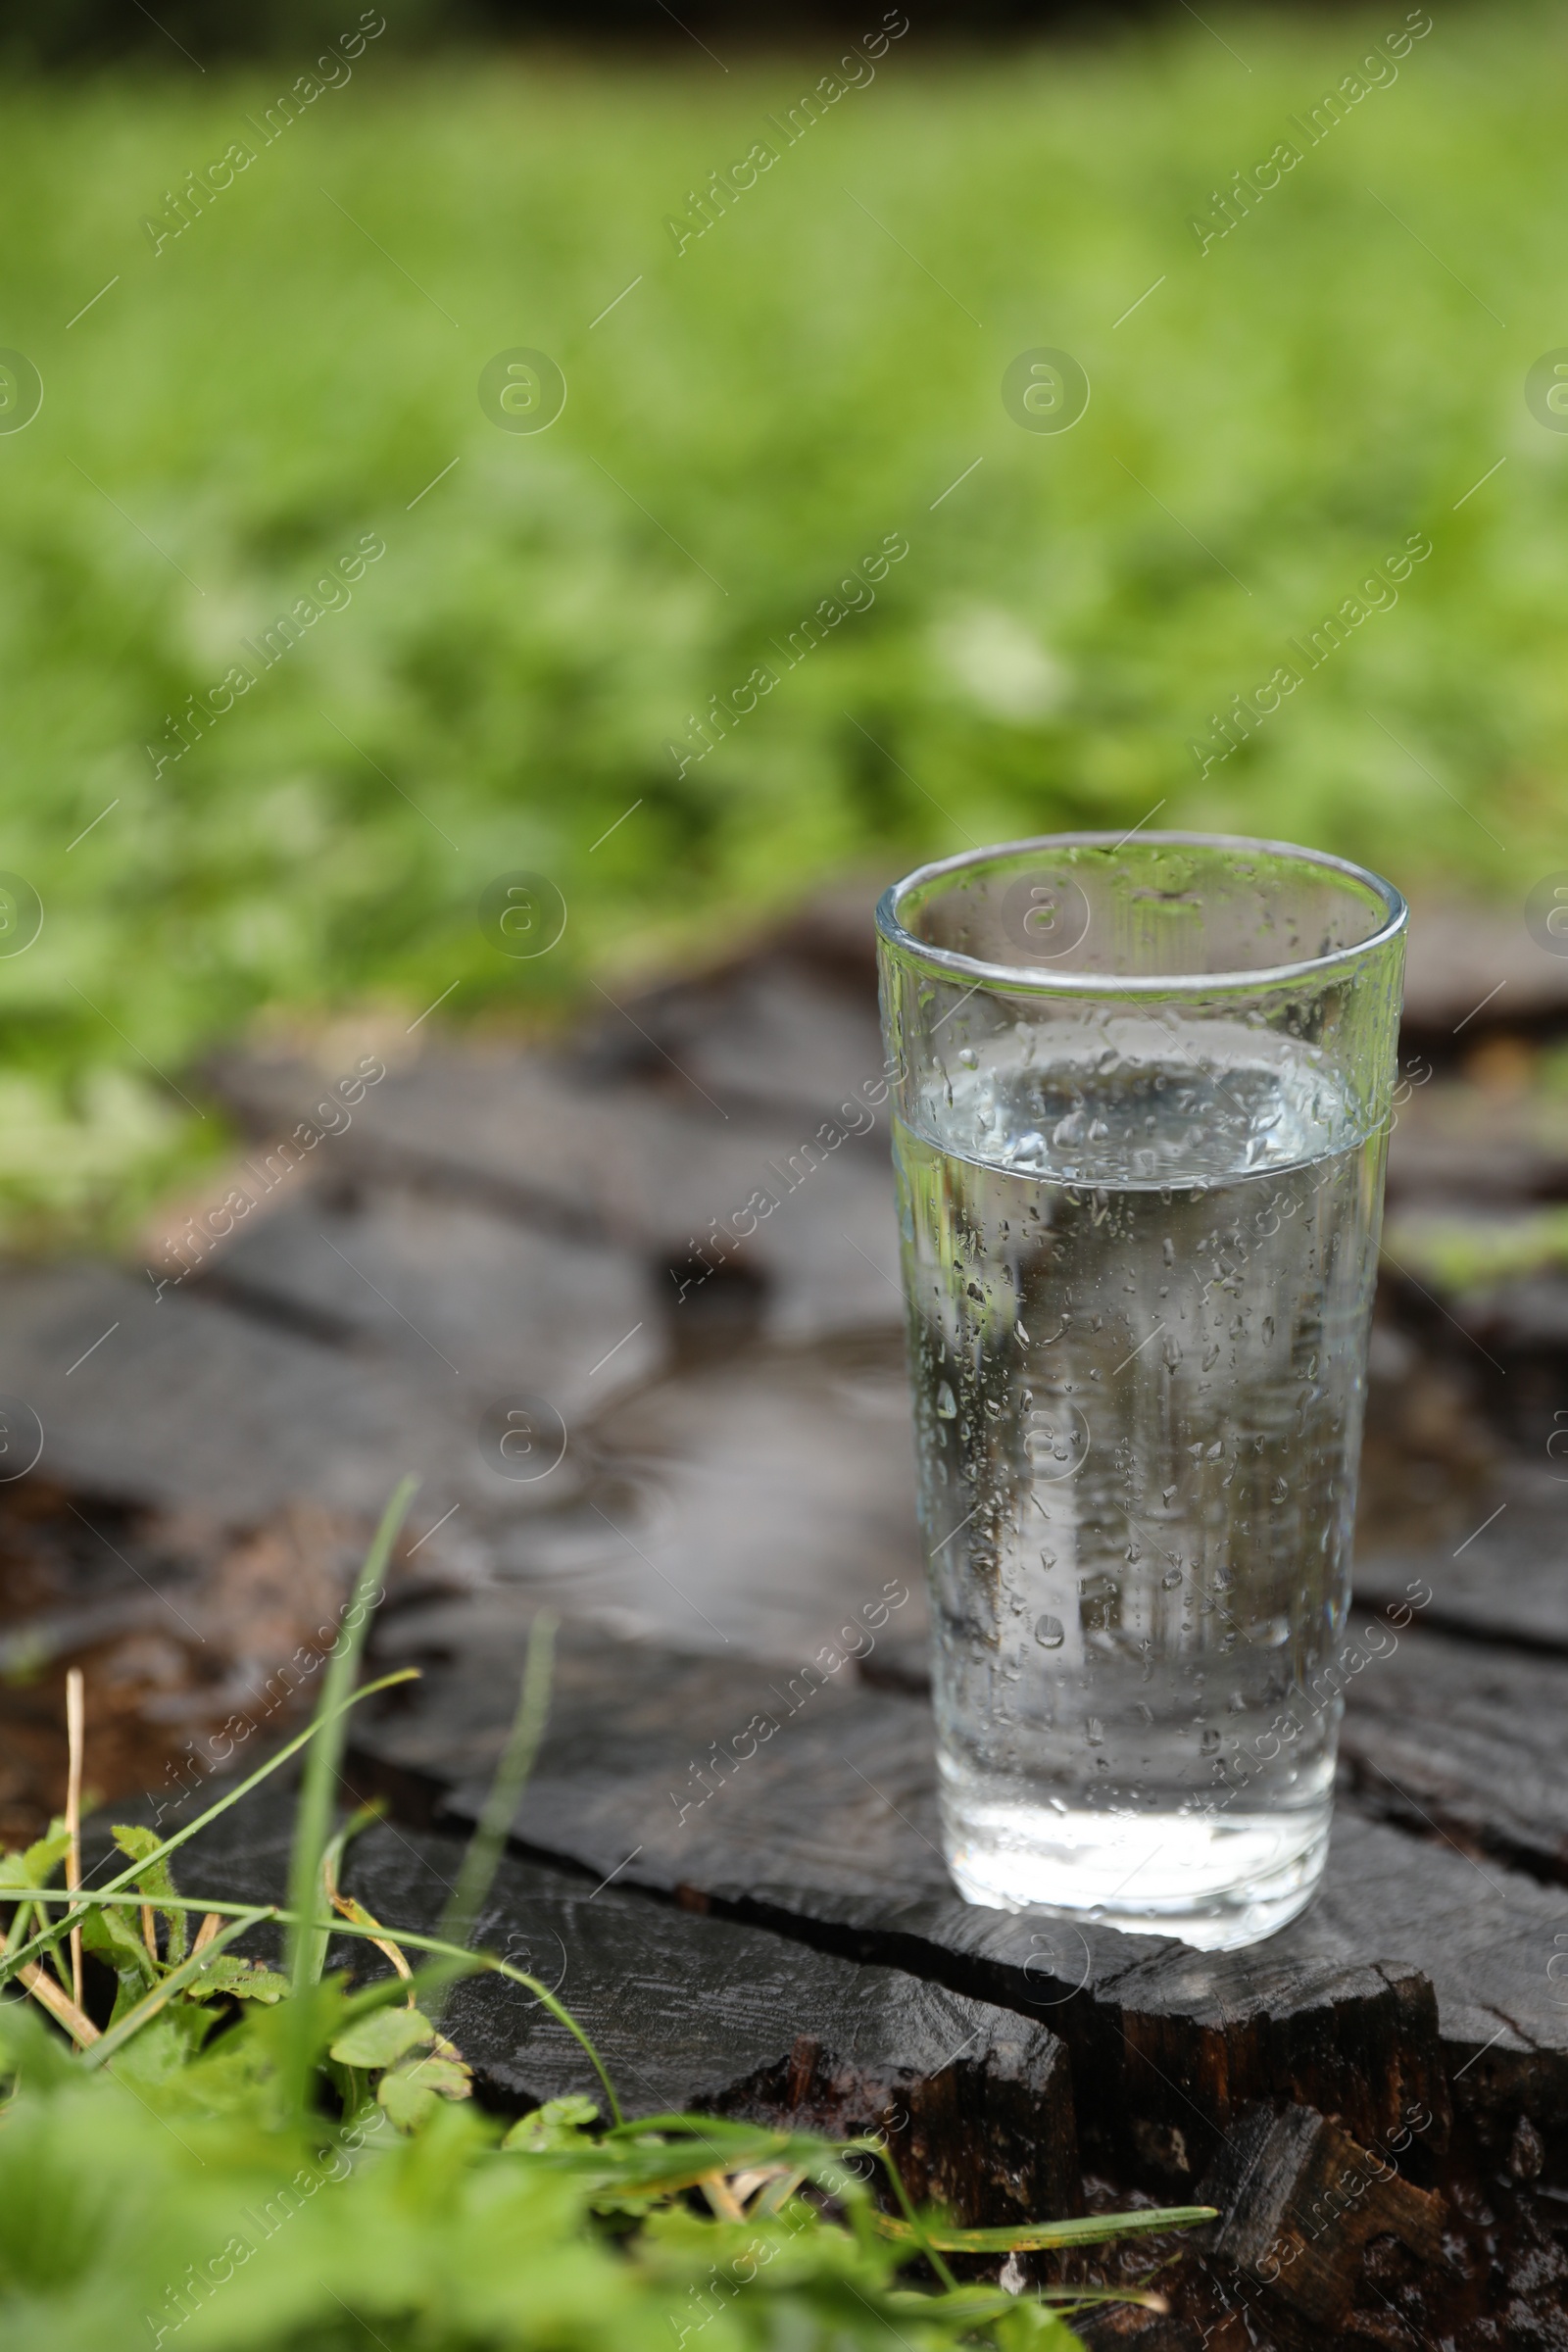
(666, 1171)
(1419, 1964)
(1295, 2192)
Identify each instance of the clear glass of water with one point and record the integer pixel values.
(1142, 1107)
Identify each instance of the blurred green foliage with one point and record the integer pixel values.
(758, 412)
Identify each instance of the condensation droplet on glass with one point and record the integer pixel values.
(1094, 1731)
(969, 1058)
(1171, 1579)
(1049, 1633)
(1020, 1335)
(947, 1403)
(1169, 1248)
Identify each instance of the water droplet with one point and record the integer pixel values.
(1049, 1633)
(1169, 1248)
(1094, 1731)
(947, 1403)
(1165, 1494)
(1210, 1743)
(969, 1058)
(1279, 1491)
(1215, 1451)
(1020, 1335)
(1171, 1579)
(1268, 1329)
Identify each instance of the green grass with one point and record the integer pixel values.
(190, 2129)
(1285, 410)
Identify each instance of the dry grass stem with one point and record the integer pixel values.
(209, 1928)
(347, 1908)
(721, 2197)
(58, 2002)
(75, 1736)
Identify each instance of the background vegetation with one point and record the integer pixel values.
(295, 368)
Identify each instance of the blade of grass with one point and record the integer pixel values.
(177, 1978)
(307, 1946)
(1030, 2237)
(332, 1855)
(307, 1942)
(113, 1888)
(506, 1789)
(915, 2229)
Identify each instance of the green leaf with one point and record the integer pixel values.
(109, 1935)
(160, 2052)
(448, 2078)
(382, 2037)
(35, 1865)
(407, 2102)
(558, 2124)
(154, 1882)
(410, 2093)
(249, 1980)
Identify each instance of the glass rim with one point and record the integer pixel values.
(1027, 981)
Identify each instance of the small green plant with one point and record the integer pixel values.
(241, 2156)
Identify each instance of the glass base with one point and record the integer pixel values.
(1215, 1882)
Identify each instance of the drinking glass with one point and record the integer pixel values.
(1142, 1105)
